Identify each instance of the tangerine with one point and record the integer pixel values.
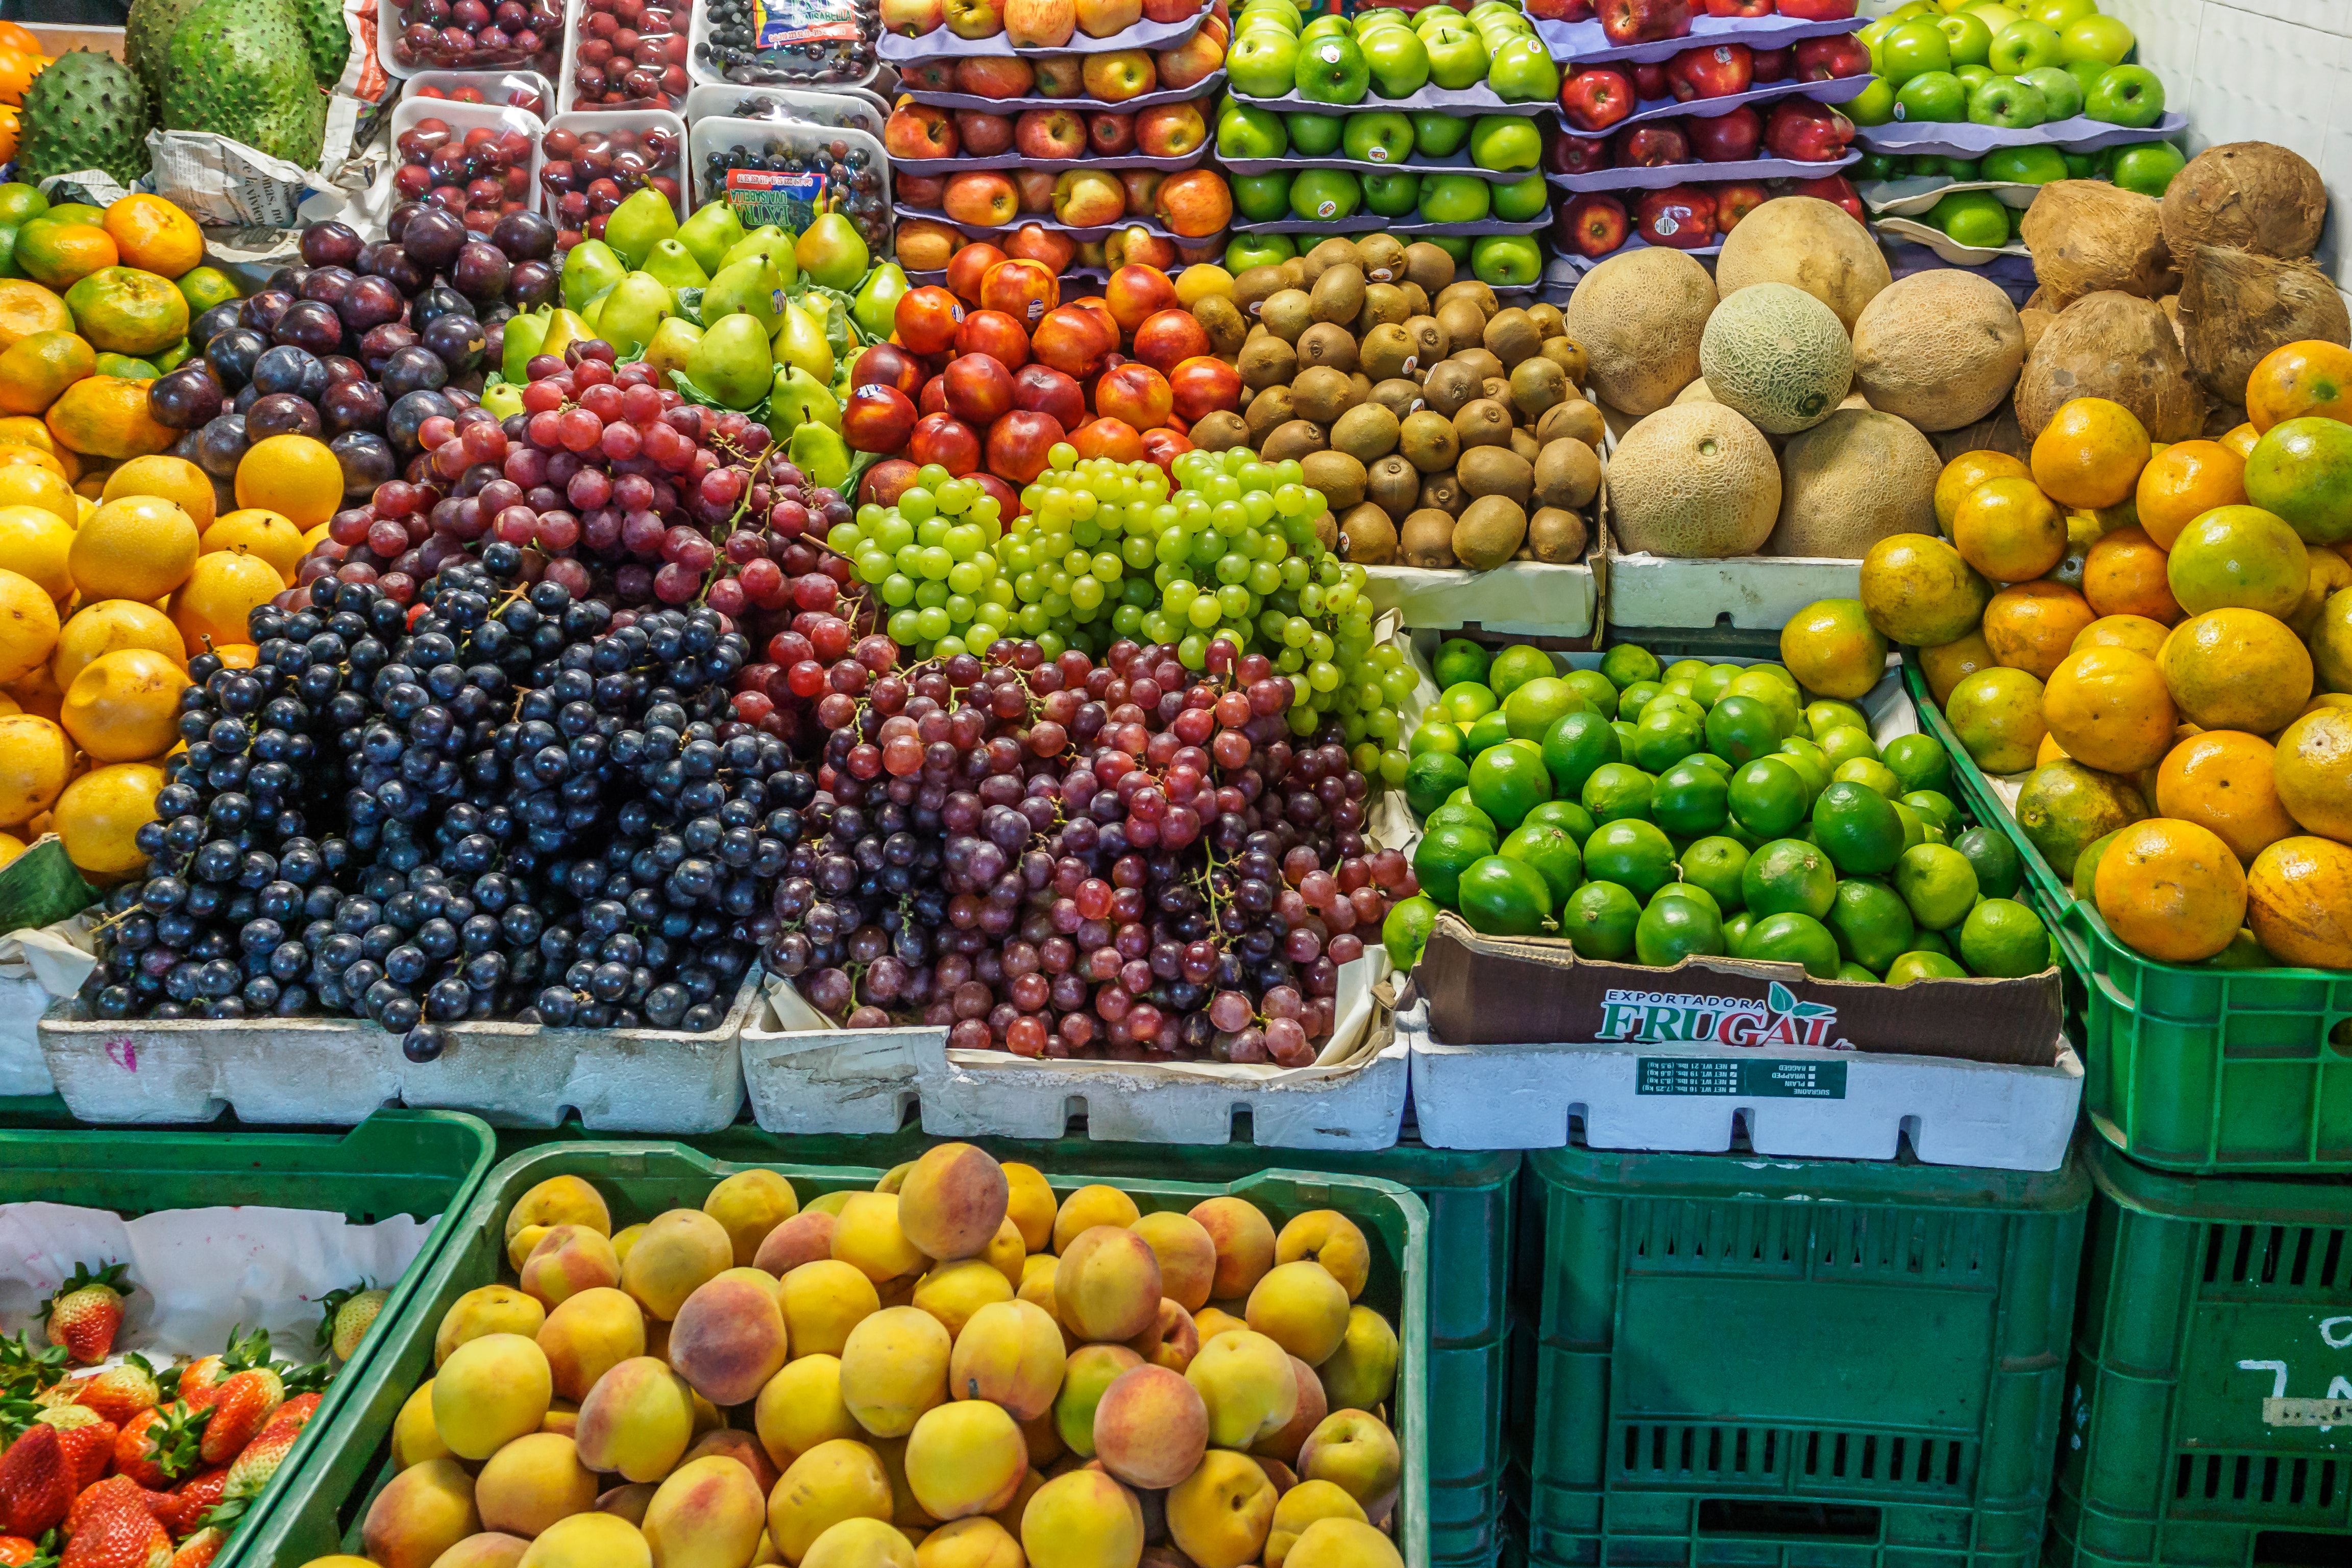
(2031, 626)
(1916, 589)
(2242, 439)
(2109, 709)
(2302, 470)
(2222, 780)
(2298, 380)
(24, 484)
(2330, 576)
(2238, 557)
(1831, 648)
(2008, 529)
(2090, 454)
(1965, 473)
(1944, 664)
(2124, 575)
(2171, 889)
(2311, 771)
(1997, 715)
(176, 480)
(2185, 482)
(2136, 633)
(155, 236)
(2236, 670)
(2299, 901)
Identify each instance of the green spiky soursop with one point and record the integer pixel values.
(147, 43)
(329, 36)
(85, 111)
(241, 69)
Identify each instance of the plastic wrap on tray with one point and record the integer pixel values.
(479, 162)
(595, 162)
(416, 36)
(782, 171)
(625, 55)
(787, 43)
(524, 90)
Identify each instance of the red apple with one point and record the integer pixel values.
(1095, 308)
(1019, 445)
(1773, 65)
(1168, 338)
(1736, 201)
(1654, 144)
(1021, 288)
(1711, 71)
(1192, 64)
(1568, 155)
(1050, 135)
(1202, 385)
(1740, 8)
(1728, 138)
(984, 198)
(983, 136)
(1008, 502)
(885, 481)
(1135, 293)
(1170, 10)
(929, 76)
(1062, 76)
(944, 439)
(1559, 10)
(1830, 60)
(1035, 188)
(1806, 133)
(910, 18)
(1169, 131)
(1836, 190)
(922, 190)
(1042, 389)
(1136, 394)
(995, 334)
(1593, 100)
(919, 130)
(979, 389)
(969, 266)
(1140, 186)
(1681, 216)
(1036, 242)
(994, 76)
(1644, 21)
(1164, 447)
(1819, 10)
(933, 398)
(1110, 135)
(1136, 245)
(1194, 203)
(1085, 198)
(876, 418)
(1594, 225)
(887, 364)
(1112, 438)
(926, 320)
(1118, 76)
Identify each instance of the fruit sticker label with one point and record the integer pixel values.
(780, 24)
(788, 200)
(1682, 1017)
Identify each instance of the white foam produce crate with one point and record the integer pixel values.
(23, 1070)
(1518, 599)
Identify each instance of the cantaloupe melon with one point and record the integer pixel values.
(1812, 244)
(1942, 349)
(1693, 482)
(1640, 316)
(1777, 356)
(1854, 479)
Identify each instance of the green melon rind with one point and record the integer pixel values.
(1777, 355)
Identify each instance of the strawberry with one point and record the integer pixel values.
(86, 1312)
(240, 1406)
(251, 1474)
(200, 1380)
(196, 1497)
(158, 1447)
(348, 1313)
(87, 1438)
(198, 1550)
(121, 1392)
(113, 1492)
(15, 1552)
(118, 1533)
(36, 1486)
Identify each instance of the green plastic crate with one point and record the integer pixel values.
(328, 1500)
(2214, 1335)
(2188, 1068)
(1774, 1364)
(426, 1163)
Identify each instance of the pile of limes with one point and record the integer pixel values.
(1650, 813)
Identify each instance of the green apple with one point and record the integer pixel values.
(1506, 262)
(1398, 60)
(1261, 198)
(1503, 144)
(2104, 38)
(1262, 64)
(1874, 105)
(1967, 37)
(1521, 200)
(2086, 74)
(1454, 245)
(1937, 98)
(1325, 26)
(2060, 92)
(2009, 104)
(1974, 219)
(2024, 46)
(1324, 193)
(1314, 135)
(2081, 165)
(1383, 138)
(1915, 9)
(1437, 134)
(1284, 10)
(1878, 166)
(1366, 22)
(1973, 77)
(1994, 13)
(2025, 165)
(1963, 169)
(1915, 48)
(1523, 71)
(1456, 57)
(1331, 69)
(2127, 95)
(1394, 194)
(1245, 251)
(2059, 14)
(2150, 167)
(1870, 33)
(1455, 198)
(1244, 132)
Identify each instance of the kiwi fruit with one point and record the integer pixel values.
(1327, 529)
(1576, 419)
(1524, 444)
(1269, 410)
(1536, 384)
(1399, 397)
(1381, 256)
(1226, 327)
(1295, 274)
(1385, 351)
(1510, 337)
(1328, 343)
(1337, 251)
(1393, 485)
(1469, 289)
(1449, 386)
(1549, 321)
(1426, 540)
(1556, 535)
(1482, 422)
(1496, 389)
(1299, 438)
(1495, 471)
(1464, 324)
(1430, 343)
(1287, 313)
(1428, 441)
(1267, 362)
(1428, 265)
(1570, 355)
(1568, 475)
(1220, 431)
(1338, 294)
(1481, 364)
(1254, 287)
(1322, 393)
(1443, 492)
(1383, 302)
(1489, 532)
(1364, 385)
(1367, 537)
(1339, 477)
(1366, 432)
(1416, 298)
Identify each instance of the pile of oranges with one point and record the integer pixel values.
(104, 599)
(2161, 637)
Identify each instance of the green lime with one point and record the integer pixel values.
(1623, 729)
(1919, 761)
(1514, 667)
(1859, 829)
(1935, 805)
(1938, 884)
(1508, 781)
(1921, 965)
(1594, 688)
(2087, 867)
(1445, 853)
(1825, 715)
(1845, 743)
(1552, 852)
(1718, 766)
(1779, 672)
(1793, 939)
(1632, 853)
(1430, 777)
(1777, 695)
(1636, 697)
(1503, 897)
(1617, 789)
(1688, 891)
(1435, 734)
(1486, 731)
(1767, 796)
(1667, 701)
(1999, 870)
(1690, 800)
(2003, 940)
(1662, 739)
(1564, 815)
(1459, 660)
(1535, 705)
(1684, 669)
(1464, 813)
(1715, 864)
(1742, 729)
(1626, 665)
(1670, 930)
(1915, 827)
(1599, 920)
(1811, 762)
(1931, 942)
(1735, 931)
(1855, 971)
(1872, 925)
(1710, 686)
(204, 287)
(1788, 874)
(1406, 930)
(1574, 746)
(1870, 772)
(1684, 687)
(2244, 952)
(1466, 699)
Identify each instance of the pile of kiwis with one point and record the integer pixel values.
(1445, 429)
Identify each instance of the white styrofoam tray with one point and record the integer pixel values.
(23, 1070)
(1518, 599)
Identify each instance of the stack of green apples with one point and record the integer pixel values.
(1382, 52)
(2012, 65)
(2146, 167)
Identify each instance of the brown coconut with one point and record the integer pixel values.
(2033, 322)
(1997, 432)
(2117, 346)
(2086, 236)
(2247, 195)
(2237, 306)
(1640, 316)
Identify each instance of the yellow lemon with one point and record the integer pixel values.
(37, 692)
(139, 547)
(256, 531)
(23, 484)
(33, 542)
(109, 625)
(176, 480)
(12, 455)
(10, 848)
(28, 625)
(293, 476)
(125, 707)
(211, 607)
(35, 759)
(99, 814)
(238, 654)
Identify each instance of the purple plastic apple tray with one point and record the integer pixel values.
(1372, 223)
(964, 165)
(1586, 44)
(1459, 164)
(1479, 99)
(1078, 282)
(1835, 90)
(1212, 83)
(2081, 133)
(1579, 265)
(1081, 234)
(1666, 177)
(941, 43)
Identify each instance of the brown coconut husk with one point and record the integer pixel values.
(2036, 321)
(2237, 306)
(1997, 432)
(2247, 195)
(2222, 418)
(2117, 346)
(2087, 235)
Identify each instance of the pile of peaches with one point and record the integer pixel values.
(1194, 203)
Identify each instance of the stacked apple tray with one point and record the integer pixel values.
(1673, 153)
(929, 64)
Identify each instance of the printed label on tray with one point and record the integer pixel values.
(1660, 1017)
(1744, 1080)
(780, 24)
(788, 200)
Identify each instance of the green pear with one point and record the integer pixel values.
(504, 400)
(670, 345)
(771, 242)
(631, 311)
(748, 287)
(820, 453)
(731, 363)
(799, 339)
(564, 327)
(801, 399)
(676, 267)
(639, 224)
(589, 269)
(877, 307)
(833, 252)
(524, 335)
(711, 233)
(592, 312)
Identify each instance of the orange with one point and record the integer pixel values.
(35, 759)
(1965, 473)
(137, 547)
(2108, 708)
(99, 815)
(24, 484)
(2330, 576)
(2185, 482)
(2090, 454)
(2236, 670)
(19, 432)
(2008, 529)
(2221, 780)
(1997, 715)
(124, 706)
(2313, 772)
(255, 531)
(1833, 649)
(20, 64)
(155, 236)
(109, 625)
(2123, 574)
(2050, 752)
(59, 254)
(2299, 380)
(2242, 439)
(34, 371)
(107, 416)
(2171, 889)
(293, 476)
(2238, 557)
(27, 307)
(211, 607)
(2136, 633)
(237, 656)
(1946, 664)
(1915, 589)
(176, 480)
(2031, 626)
(2299, 902)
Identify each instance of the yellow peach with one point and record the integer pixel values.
(588, 1540)
(532, 1482)
(952, 1292)
(588, 1335)
(709, 1513)
(1244, 1240)
(488, 1392)
(1030, 1204)
(1302, 1308)
(832, 1481)
(1300, 1507)
(964, 1458)
(487, 1310)
(1082, 1519)
(951, 1201)
(678, 1252)
(1010, 1352)
(1331, 1238)
(893, 1368)
(801, 1407)
(1245, 1381)
(728, 1338)
(425, 1510)
(867, 1235)
(822, 1302)
(1221, 1514)
(1088, 1207)
(1188, 1258)
(749, 1205)
(637, 1420)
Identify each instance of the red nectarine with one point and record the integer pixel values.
(969, 266)
(1168, 337)
(995, 334)
(1136, 394)
(927, 319)
(1021, 289)
(944, 439)
(1106, 438)
(1070, 339)
(1202, 385)
(978, 389)
(1019, 444)
(1042, 389)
